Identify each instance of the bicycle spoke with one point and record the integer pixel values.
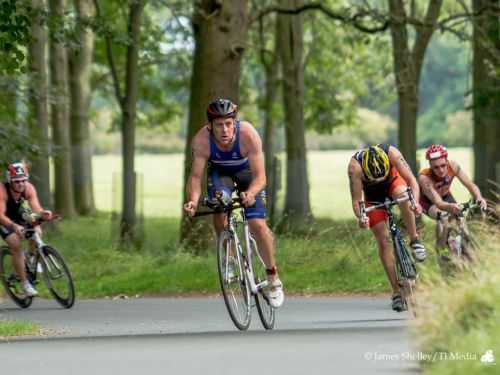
(233, 281)
(57, 277)
(265, 310)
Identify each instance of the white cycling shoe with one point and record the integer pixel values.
(29, 289)
(275, 293)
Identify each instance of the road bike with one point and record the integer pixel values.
(454, 233)
(43, 260)
(242, 272)
(406, 271)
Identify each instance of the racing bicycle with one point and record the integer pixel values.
(406, 270)
(45, 261)
(459, 241)
(242, 272)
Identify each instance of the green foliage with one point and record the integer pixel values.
(461, 315)
(165, 64)
(341, 66)
(16, 144)
(443, 86)
(332, 257)
(14, 35)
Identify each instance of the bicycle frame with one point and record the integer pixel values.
(408, 268)
(232, 224)
(32, 235)
(462, 226)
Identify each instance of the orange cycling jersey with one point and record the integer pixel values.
(441, 185)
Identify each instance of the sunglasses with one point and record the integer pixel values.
(440, 166)
(18, 182)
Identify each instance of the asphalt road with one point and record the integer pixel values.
(341, 335)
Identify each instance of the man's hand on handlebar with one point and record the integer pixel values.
(247, 198)
(481, 202)
(364, 222)
(453, 208)
(190, 208)
(46, 215)
(19, 229)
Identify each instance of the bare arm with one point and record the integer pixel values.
(405, 171)
(32, 198)
(4, 220)
(466, 181)
(428, 189)
(199, 160)
(253, 146)
(355, 185)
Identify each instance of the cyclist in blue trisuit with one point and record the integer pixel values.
(13, 194)
(233, 151)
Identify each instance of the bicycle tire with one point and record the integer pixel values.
(404, 260)
(406, 274)
(267, 313)
(234, 285)
(54, 268)
(11, 281)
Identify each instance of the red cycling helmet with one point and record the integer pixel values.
(17, 171)
(436, 152)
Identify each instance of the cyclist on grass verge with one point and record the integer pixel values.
(13, 194)
(233, 150)
(435, 183)
(379, 172)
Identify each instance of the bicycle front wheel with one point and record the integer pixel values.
(233, 282)
(11, 281)
(266, 311)
(57, 277)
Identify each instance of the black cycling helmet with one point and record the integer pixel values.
(221, 108)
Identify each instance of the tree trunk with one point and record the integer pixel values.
(407, 69)
(271, 65)
(220, 32)
(63, 190)
(128, 122)
(39, 118)
(297, 205)
(80, 74)
(486, 92)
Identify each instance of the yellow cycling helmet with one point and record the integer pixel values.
(375, 163)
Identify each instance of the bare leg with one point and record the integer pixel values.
(406, 213)
(264, 238)
(386, 253)
(14, 243)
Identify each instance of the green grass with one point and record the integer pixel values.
(333, 257)
(162, 177)
(9, 328)
(461, 315)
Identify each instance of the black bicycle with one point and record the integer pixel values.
(46, 261)
(242, 272)
(406, 270)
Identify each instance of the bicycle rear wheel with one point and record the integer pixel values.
(266, 311)
(11, 281)
(57, 277)
(233, 282)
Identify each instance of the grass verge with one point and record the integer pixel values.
(458, 318)
(9, 328)
(332, 257)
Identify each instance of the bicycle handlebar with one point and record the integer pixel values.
(219, 206)
(387, 204)
(464, 207)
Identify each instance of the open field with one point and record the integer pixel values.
(163, 175)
